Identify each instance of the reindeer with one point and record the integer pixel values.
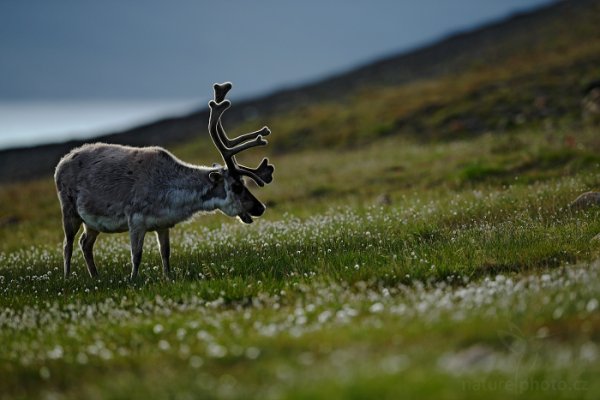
(112, 188)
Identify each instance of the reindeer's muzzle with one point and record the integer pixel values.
(245, 218)
(257, 210)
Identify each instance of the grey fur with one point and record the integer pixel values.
(112, 188)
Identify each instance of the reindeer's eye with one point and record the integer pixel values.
(237, 188)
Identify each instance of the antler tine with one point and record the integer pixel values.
(216, 110)
(221, 90)
(264, 172)
(264, 131)
(259, 141)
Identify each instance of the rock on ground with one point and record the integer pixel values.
(586, 200)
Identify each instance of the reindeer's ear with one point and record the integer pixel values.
(215, 176)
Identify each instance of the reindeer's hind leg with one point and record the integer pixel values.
(71, 224)
(86, 243)
(162, 235)
(137, 243)
(71, 221)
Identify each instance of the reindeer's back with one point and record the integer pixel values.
(96, 175)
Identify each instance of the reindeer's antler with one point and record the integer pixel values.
(230, 147)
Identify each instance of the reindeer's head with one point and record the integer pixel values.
(234, 197)
(238, 201)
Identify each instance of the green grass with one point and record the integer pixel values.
(476, 280)
(417, 243)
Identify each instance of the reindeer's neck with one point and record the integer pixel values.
(190, 192)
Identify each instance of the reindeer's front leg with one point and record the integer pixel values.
(162, 235)
(136, 235)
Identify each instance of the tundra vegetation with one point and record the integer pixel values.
(393, 264)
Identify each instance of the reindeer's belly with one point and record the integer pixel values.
(103, 223)
(114, 224)
(109, 219)
(162, 219)
(105, 216)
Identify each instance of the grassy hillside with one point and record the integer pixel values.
(538, 87)
(526, 70)
(525, 73)
(418, 242)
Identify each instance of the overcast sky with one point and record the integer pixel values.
(120, 49)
